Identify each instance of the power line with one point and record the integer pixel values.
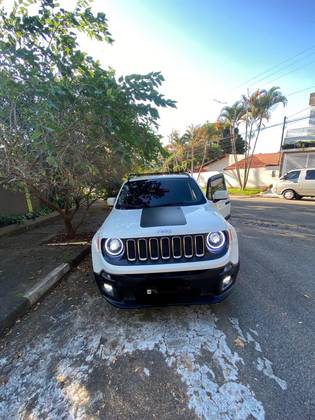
(300, 91)
(245, 83)
(299, 112)
(287, 122)
(283, 69)
(292, 71)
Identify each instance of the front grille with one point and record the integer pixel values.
(165, 248)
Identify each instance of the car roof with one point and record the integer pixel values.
(302, 169)
(142, 177)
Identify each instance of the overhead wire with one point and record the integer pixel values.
(298, 112)
(266, 79)
(300, 91)
(276, 66)
(291, 71)
(216, 139)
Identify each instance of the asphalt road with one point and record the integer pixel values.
(252, 356)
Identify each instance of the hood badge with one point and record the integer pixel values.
(164, 231)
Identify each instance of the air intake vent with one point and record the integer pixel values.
(165, 248)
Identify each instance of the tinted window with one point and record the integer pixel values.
(293, 175)
(160, 192)
(310, 174)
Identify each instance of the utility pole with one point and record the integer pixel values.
(281, 144)
(282, 135)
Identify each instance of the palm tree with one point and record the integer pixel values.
(208, 134)
(177, 145)
(259, 106)
(193, 136)
(232, 116)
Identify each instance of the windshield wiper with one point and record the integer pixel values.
(178, 203)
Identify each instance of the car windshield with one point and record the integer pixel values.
(292, 175)
(160, 192)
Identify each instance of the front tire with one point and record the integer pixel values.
(288, 194)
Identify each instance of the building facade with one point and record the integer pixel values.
(298, 147)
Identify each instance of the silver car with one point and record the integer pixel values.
(296, 184)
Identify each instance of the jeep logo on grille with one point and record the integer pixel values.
(164, 231)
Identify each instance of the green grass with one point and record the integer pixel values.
(247, 191)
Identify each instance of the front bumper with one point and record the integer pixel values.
(173, 288)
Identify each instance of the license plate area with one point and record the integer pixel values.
(164, 293)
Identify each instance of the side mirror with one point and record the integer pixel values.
(111, 201)
(220, 195)
(216, 188)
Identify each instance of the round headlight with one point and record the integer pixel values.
(215, 241)
(114, 247)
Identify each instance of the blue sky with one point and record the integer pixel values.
(206, 49)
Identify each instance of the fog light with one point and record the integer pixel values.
(106, 276)
(108, 288)
(226, 282)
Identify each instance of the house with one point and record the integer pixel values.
(264, 171)
(217, 164)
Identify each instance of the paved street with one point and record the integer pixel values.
(252, 356)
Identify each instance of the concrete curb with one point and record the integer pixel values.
(240, 197)
(243, 197)
(31, 224)
(44, 285)
(35, 293)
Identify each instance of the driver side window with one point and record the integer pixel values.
(293, 176)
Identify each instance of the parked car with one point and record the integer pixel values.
(296, 184)
(166, 242)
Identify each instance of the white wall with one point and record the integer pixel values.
(258, 177)
(218, 166)
(203, 178)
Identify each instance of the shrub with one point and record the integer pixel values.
(16, 219)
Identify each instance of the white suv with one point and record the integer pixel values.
(165, 242)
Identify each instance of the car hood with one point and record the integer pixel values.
(163, 221)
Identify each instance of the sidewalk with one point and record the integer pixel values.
(24, 261)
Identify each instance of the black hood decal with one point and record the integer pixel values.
(162, 216)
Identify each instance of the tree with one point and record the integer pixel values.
(226, 143)
(252, 111)
(210, 148)
(178, 149)
(69, 129)
(193, 136)
(198, 145)
(259, 106)
(232, 116)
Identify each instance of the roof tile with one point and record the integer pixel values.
(259, 160)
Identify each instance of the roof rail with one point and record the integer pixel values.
(158, 173)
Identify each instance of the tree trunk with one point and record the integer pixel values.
(247, 154)
(251, 157)
(192, 160)
(66, 215)
(247, 141)
(203, 159)
(232, 135)
(70, 230)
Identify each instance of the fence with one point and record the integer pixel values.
(14, 202)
